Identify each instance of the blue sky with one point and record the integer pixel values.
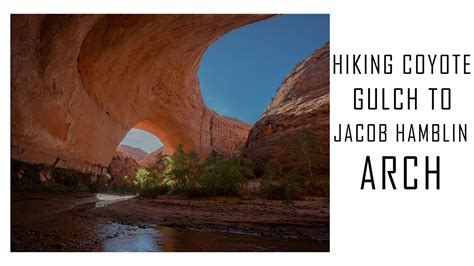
(241, 71)
(141, 139)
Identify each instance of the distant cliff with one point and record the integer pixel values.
(136, 153)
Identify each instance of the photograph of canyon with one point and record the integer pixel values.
(170, 133)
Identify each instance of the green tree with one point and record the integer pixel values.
(183, 168)
(244, 163)
(277, 184)
(303, 147)
(144, 179)
(221, 176)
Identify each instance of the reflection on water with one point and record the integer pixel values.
(162, 238)
(116, 237)
(130, 238)
(77, 225)
(107, 199)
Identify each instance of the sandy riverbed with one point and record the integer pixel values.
(84, 222)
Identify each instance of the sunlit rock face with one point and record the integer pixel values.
(301, 102)
(80, 82)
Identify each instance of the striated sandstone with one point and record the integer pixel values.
(79, 83)
(301, 102)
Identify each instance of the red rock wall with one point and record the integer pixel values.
(123, 165)
(150, 161)
(80, 82)
(301, 102)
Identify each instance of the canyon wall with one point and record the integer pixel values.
(80, 82)
(150, 161)
(301, 104)
(136, 153)
(123, 165)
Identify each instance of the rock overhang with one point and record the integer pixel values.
(80, 82)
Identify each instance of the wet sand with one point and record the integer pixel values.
(91, 222)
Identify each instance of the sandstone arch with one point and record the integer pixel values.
(80, 82)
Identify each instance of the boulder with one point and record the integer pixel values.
(123, 165)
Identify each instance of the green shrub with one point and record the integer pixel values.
(309, 162)
(279, 185)
(183, 169)
(221, 177)
(149, 185)
(144, 179)
(244, 163)
(158, 168)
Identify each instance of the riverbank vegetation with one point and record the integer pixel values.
(184, 173)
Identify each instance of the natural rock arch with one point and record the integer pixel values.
(80, 82)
